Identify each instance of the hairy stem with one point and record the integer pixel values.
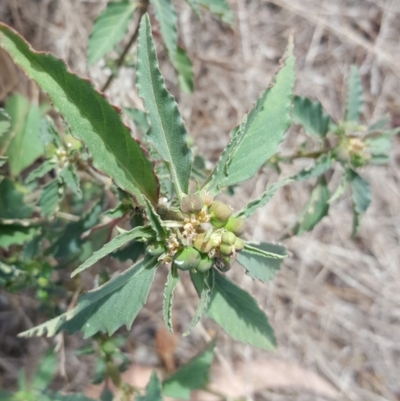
(142, 10)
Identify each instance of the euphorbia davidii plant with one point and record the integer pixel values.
(190, 231)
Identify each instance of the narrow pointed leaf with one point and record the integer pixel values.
(167, 20)
(320, 166)
(310, 116)
(205, 296)
(315, 210)
(41, 171)
(262, 260)
(91, 118)
(153, 390)
(109, 28)
(183, 66)
(339, 190)
(191, 376)
(263, 199)
(238, 313)
(167, 131)
(170, 285)
(354, 95)
(71, 179)
(107, 307)
(260, 132)
(219, 8)
(21, 143)
(155, 221)
(115, 243)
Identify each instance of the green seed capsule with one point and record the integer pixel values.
(228, 238)
(155, 249)
(187, 259)
(226, 250)
(219, 212)
(205, 264)
(238, 245)
(191, 204)
(235, 225)
(225, 265)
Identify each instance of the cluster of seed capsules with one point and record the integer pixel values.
(203, 234)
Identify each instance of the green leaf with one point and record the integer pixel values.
(354, 95)
(115, 243)
(183, 66)
(167, 132)
(65, 397)
(310, 116)
(91, 118)
(192, 376)
(167, 20)
(139, 117)
(71, 179)
(5, 122)
(360, 195)
(259, 134)
(109, 28)
(50, 197)
(205, 297)
(41, 171)
(263, 199)
(15, 234)
(262, 260)
(379, 125)
(379, 148)
(131, 252)
(339, 190)
(316, 208)
(170, 285)
(153, 390)
(12, 204)
(219, 8)
(45, 371)
(155, 222)
(107, 307)
(21, 144)
(238, 313)
(321, 165)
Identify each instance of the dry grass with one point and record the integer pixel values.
(335, 305)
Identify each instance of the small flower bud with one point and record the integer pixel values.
(228, 238)
(225, 264)
(207, 199)
(187, 259)
(201, 245)
(155, 249)
(226, 250)
(191, 204)
(238, 245)
(205, 264)
(235, 225)
(219, 212)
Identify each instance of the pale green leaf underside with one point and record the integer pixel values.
(320, 166)
(21, 144)
(170, 285)
(263, 260)
(191, 376)
(316, 208)
(153, 390)
(167, 20)
(263, 199)
(91, 118)
(71, 180)
(205, 296)
(109, 28)
(238, 313)
(260, 132)
(155, 222)
(310, 116)
(354, 95)
(117, 242)
(107, 307)
(167, 132)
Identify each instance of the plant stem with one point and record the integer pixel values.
(142, 10)
(305, 155)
